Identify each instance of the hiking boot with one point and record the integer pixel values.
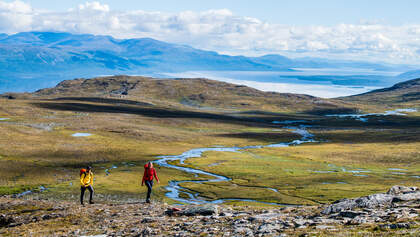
(91, 202)
(148, 201)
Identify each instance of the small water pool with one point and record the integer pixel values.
(363, 117)
(81, 134)
(396, 169)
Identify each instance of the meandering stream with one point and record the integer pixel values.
(184, 195)
(363, 117)
(175, 190)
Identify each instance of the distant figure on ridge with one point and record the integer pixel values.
(86, 182)
(149, 173)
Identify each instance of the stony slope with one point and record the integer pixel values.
(386, 214)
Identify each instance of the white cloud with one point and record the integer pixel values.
(93, 6)
(223, 31)
(15, 15)
(16, 6)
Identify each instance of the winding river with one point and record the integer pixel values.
(191, 197)
(178, 193)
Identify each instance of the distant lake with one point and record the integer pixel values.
(326, 83)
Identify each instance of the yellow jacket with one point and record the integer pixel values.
(86, 179)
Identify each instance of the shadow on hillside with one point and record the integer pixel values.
(149, 112)
(268, 137)
(102, 100)
(255, 118)
(81, 158)
(341, 136)
(391, 136)
(325, 111)
(260, 112)
(276, 116)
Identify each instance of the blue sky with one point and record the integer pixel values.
(300, 12)
(371, 30)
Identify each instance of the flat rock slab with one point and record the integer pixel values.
(351, 214)
(395, 226)
(324, 227)
(199, 210)
(268, 228)
(398, 190)
(265, 216)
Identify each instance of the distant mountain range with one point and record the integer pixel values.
(409, 75)
(33, 60)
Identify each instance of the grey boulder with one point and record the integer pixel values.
(395, 194)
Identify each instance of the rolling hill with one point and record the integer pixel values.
(196, 93)
(407, 92)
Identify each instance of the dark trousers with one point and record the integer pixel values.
(149, 184)
(82, 193)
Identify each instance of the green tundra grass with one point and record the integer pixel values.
(351, 158)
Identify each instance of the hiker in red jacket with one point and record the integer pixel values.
(149, 173)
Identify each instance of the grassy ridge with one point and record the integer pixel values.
(404, 94)
(189, 93)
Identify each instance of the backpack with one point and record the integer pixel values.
(82, 171)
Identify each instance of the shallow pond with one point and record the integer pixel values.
(27, 192)
(363, 117)
(80, 134)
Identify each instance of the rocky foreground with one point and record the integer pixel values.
(386, 214)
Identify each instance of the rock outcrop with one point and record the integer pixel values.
(393, 213)
(197, 210)
(394, 195)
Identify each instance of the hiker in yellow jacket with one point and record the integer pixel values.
(86, 182)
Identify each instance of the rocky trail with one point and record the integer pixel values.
(385, 214)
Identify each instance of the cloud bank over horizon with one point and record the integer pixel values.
(223, 31)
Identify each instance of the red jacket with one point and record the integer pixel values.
(149, 173)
